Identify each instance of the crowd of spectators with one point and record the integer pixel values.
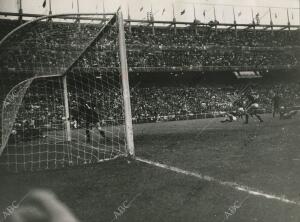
(209, 47)
(188, 37)
(161, 103)
(44, 109)
(189, 50)
(49, 48)
(189, 59)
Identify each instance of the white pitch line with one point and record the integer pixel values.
(223, 183)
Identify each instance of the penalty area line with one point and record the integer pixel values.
(233, 185)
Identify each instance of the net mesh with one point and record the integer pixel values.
(67, 108)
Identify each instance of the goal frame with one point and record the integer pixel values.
(129, 148)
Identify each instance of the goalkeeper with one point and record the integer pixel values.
(91, 117)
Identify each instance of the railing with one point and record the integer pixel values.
(188, 116)
(212, 68)
(209, 47)
(157, 22)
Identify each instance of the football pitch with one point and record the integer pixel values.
(196, 170)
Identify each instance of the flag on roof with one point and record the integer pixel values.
(182, 12)
(257, 18)
(44, 3)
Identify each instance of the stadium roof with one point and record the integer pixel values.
(183, 10)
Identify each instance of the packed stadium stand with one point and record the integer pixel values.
(208, 49)
(204, 51)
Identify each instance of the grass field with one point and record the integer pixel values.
(264, 157)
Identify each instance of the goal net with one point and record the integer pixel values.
(66, 107)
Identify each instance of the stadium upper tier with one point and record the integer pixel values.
(152, 48)
(189, 36)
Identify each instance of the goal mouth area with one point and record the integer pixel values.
(68, 106)
(39, 154)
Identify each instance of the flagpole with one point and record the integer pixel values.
(195, 20)
(271, 22)
(234, 18)
(50, 8)
(20, 11)
(103, 5)
(78, 12)
(288, 16)
(215, 13)
(174, 19)
(151, 16)
(234, 22)
(289, 23)
(173, 12)
(129, 19)
(215, 18)
(253, 22)
(152, 20)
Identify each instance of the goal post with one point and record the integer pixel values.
(67, 111)
(125, 84)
